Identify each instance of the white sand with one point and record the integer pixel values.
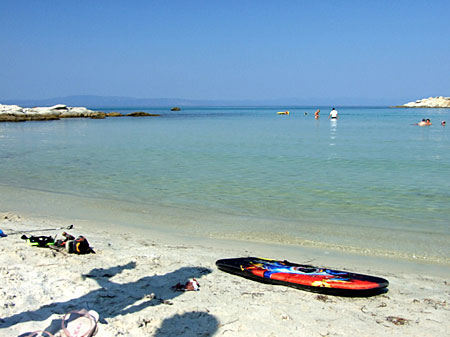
(128, 282)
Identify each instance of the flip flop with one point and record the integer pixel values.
(80, 323)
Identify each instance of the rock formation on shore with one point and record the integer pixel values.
(431, 102)
(15, 113)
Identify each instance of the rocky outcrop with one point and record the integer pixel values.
(175, 109)
(98, 115)
(80, 112)
(114, 114)
(142, 114)
(15, 113)
(431, 102)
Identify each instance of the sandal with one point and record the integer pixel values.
(81, 323)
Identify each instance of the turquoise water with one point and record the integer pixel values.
(370, 179)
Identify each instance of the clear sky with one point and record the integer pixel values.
(235, 49)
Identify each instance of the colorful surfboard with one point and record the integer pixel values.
(306, 277)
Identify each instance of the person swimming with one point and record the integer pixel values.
(423, 122)
(443, 123)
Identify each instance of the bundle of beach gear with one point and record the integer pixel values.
(79, 245)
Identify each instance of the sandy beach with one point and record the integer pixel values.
(129, 283)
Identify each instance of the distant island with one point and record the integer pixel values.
(430, 102)
(115, 102)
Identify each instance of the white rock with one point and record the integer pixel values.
(16, 113)
(431, 102)
(82, 110)
(40, 111)
(10, 108)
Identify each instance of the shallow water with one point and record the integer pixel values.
(369, 182)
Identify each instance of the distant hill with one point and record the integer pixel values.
(95, 102)
(91, 101)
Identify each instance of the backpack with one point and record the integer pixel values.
(79, 246)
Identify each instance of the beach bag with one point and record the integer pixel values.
(39, 241)
(79, 246)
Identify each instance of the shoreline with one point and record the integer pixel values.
(328, 257)
(133, 270)
(170, 223)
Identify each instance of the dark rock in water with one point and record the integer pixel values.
(114, 114)
(49, 117)
(98, 115)
(27, 117)
(142, 114)
(12, 118)
(175, 109)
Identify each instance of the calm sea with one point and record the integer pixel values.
(370, 181)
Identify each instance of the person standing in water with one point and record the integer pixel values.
(333, 114)
(316, 114)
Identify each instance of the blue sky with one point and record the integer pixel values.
(397, 50)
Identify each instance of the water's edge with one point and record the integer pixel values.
(169, 221)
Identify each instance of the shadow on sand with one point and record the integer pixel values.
(114, 299)
(195, 323)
